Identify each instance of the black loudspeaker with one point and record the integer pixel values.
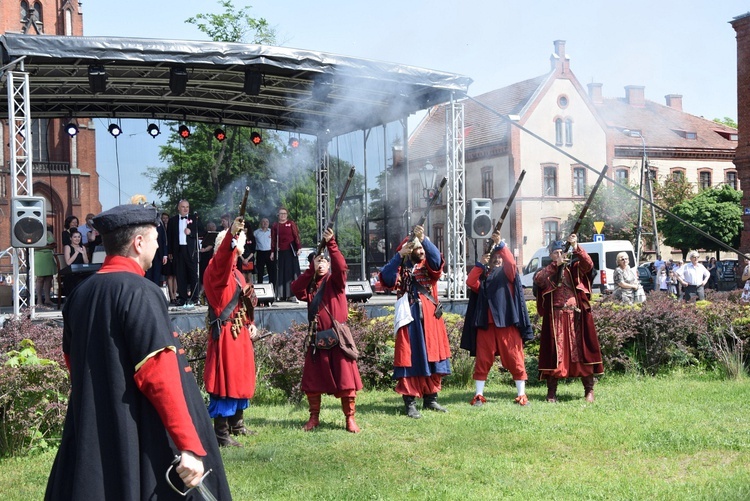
(358, 291)
(264, 293)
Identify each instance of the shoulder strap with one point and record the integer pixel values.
(423, 290)
(216, 322)
(314, 305)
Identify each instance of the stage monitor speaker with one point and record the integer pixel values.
(358, 291)
(265, 294)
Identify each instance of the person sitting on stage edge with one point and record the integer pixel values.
(229, 375)
(329, 371)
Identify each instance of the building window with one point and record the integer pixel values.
(621, 175)
(37, 15)
(68, 22)
(438, 237)
(487, 184)
(562, 101)
(568, 132)
(705, 179)
(416, 194)
(678, 175)
(39, 139)
(558, 131)
(24, 12)
(732, 179)
(551, 231)
(653, 173)
(550, 182)
(579, 181)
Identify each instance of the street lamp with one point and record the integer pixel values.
(644, 172)
(427, 175)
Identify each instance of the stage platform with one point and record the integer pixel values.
(277, 317)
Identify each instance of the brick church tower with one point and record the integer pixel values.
(741, 25)
(64, 168)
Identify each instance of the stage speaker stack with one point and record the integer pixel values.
(358, 291)
(265, 294)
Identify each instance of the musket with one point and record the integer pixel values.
(581, 215)
(404, 282)
(506, 209)
(332, 219)
(243, 205)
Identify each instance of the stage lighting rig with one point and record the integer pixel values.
(255, 138)
(71, 128)
(153, 130)
(220, 135)
(294, 142)
(115, 130)
(183, 131)
(178, 79)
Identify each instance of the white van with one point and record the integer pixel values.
(603, 254)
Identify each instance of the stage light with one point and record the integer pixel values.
(178, 78)
(183, 131)
(294, 142)
(71, 128)
(97, 79)
(115, 130)
(153, 130)
(220, 135)
(253, 82)
(255, 138)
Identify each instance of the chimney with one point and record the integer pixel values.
(635, 95)
(559, 60)
(595, 93)
(674, 101)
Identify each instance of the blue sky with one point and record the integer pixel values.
(670, 47)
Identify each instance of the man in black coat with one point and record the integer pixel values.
(182, 242)
(134, 403)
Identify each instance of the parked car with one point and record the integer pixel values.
(379, 288)
(646, 277)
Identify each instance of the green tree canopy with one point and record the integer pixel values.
(611, 204)
(717, 211)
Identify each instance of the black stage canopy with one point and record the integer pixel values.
(224, 83)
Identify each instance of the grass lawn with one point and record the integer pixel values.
(673, 437)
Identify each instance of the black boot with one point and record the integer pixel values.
(237, 425)
(411, 407)
(430, 402)
(221, 428)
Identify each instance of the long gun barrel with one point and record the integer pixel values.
(506, 209)
(581, 215)
(243, 205)
(332, 219)
(432, 202)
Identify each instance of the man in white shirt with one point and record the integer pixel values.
(693, 276)
(263, 261)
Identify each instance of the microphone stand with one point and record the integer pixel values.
(197, 286)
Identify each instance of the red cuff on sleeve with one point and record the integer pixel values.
(159, 380)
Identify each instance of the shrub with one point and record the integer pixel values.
(33, 400)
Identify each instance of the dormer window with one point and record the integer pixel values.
(729, 136)
(687, 134)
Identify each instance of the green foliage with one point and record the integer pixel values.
(234, 26)
(33, 400)
(611, 204)
(716, 211)
(728, 121)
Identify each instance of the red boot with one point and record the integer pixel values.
(347, 405)
(313, 399)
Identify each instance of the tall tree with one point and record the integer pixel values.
(615, 207)
(716, 211)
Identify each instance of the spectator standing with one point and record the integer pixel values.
(422, 352)
(263, 262)
(229, 375)
(285, 244)
(625, 279)
(74, 253)
(498, 323)
(568, 344)
(44, 269)
(693, 277)
(134, 404)
(330, 371)
(71, 222)
(713, 274)
(182, 240)
(658, 265)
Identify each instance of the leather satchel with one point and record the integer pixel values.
(326, 339)
(346, 340)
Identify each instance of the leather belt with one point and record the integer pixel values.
(567, 308)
